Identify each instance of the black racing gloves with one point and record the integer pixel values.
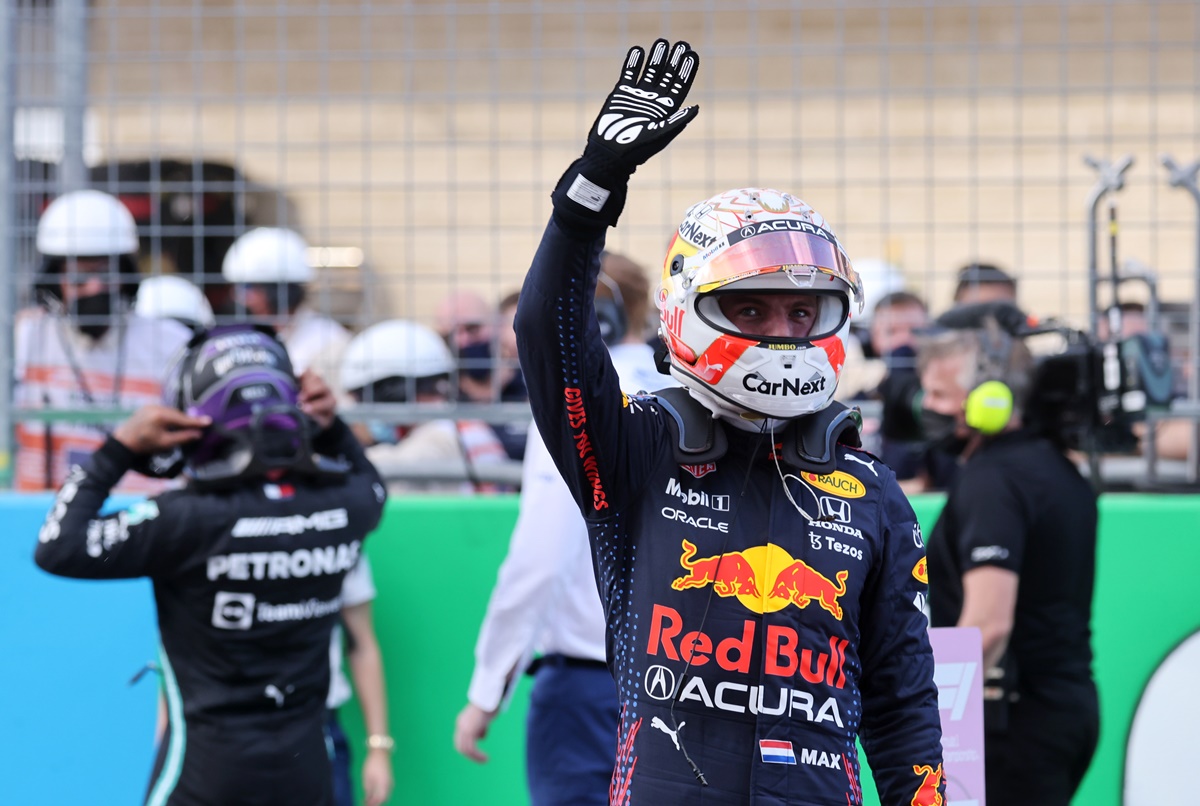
(642, 114)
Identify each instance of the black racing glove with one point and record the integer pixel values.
(641, 115)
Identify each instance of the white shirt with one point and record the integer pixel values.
(545, 596)
(358, 587)
(448, 441)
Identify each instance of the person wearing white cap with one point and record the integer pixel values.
(84, 347)
(169, 296)
(270, 269)
(399, 361)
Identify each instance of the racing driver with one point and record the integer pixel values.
(246, 561)
(763, 579)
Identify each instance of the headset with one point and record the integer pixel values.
(989, 406)
(614, 323)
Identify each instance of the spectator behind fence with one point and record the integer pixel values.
(1013, 554)
(983, 282)
(894, 326)
(245, 672)
(270, 271)
(707, 506)
(879, 279)
(469, 326)
(85, 348)
(545, 597)
(399, 361)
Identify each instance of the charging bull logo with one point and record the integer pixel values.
(737, 574)
(929, 793)
(730, 574)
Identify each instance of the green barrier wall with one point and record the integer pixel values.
(435, 562)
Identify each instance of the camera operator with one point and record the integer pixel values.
(1013, 554)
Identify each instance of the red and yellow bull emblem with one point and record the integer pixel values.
(929, 793)
(921, 571)
(737, 573)
(840, 484)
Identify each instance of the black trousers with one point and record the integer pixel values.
(1040, 756)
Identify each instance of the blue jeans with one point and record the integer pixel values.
(571, 734)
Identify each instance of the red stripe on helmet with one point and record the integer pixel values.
(720, 357)
(834, 350)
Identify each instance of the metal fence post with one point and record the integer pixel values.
(70, 58)
(8, 235)
(1185, 177)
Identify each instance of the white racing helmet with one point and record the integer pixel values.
(168, 296)
(395, 349)
(86, 223)
(268, 255)
(755, 240)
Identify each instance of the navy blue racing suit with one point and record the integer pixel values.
(759, 643)
(247, 584)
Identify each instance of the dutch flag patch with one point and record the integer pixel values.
(774, 752)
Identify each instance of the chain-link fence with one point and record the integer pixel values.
(414, 144)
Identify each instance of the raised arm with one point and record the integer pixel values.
(75, 542)
(574, 391)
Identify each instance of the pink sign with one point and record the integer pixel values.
(958, 655)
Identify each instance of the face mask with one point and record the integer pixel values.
(902, 358)
(90, 308)
(939, 430)
(476, 360)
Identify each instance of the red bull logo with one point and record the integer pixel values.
(730, 574)
(929, 793)
(737, 574)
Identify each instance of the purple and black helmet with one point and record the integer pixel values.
(241, 377)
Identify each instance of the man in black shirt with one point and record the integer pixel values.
(1013, 553)
(246, 561)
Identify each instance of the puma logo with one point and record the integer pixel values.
(277, 695)
(658, 723)
(865, 462)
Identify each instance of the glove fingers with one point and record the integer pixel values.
(671, 78)
(633, 66)
(658, 61)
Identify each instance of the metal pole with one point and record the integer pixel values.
(1186, 178)
(8, 234)
(1112, 178)
(70, 58)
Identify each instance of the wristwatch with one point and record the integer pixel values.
(377, 741)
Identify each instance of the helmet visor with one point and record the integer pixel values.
(825, 311)
(812, 262)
